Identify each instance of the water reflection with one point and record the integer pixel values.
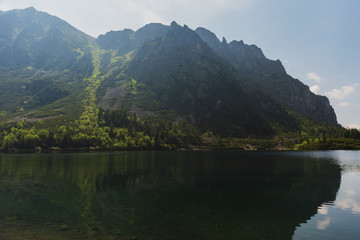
(164, 195)
(339, 219)
(348, 201)
(322, 225)
(349, 161)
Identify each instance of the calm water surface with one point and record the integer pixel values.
(181, 195)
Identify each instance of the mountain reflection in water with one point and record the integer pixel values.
(339, 219)
(162, 195)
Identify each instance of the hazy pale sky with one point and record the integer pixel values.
(316, 40)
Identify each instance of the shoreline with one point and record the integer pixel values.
(58, 150)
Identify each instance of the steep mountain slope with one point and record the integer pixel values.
(40, 57)
(32, 38)
(230, 88)
(258, 72)
(186, 76)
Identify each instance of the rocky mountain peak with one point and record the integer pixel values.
(174, 24)
(30, 9)
(209, 37)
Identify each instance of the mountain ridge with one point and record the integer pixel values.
(234, 52)
(171, 72)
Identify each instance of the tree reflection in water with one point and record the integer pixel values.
(162, 195)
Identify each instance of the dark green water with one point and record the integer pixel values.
(180, 195)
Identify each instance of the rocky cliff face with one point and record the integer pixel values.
(189, 78)
(259, 73)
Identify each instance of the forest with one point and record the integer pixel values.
(121, 130)
(111, 130)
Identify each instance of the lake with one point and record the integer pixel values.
(181, 195)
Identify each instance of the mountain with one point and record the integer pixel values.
(54, 72)
(232, 88)
(32, 38)
(259, 73)
(40, 57)
(186, 76)
(128, 40)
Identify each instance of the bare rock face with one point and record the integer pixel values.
(259, 73)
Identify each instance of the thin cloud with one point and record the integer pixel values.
(315, 89)
(314, 76)
(92, 16)
(350, 193)
(343, 104)
(354, 125)
(98, 17)
(342, 93)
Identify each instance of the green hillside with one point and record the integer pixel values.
(160, 87)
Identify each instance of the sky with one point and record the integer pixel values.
(316, 40)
